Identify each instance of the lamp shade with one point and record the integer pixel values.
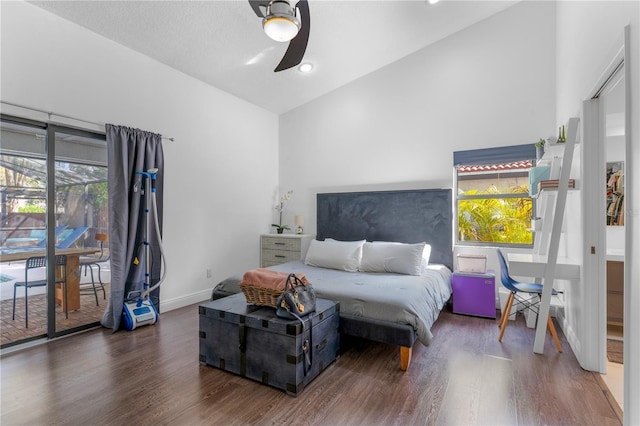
(280, 22)
(298, 220)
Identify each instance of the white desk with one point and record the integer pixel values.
(535, 265)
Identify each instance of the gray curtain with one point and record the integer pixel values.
(128, 151)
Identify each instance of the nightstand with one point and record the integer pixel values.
(280, 248)
(474, 294)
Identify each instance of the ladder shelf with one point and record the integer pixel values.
(548, 242)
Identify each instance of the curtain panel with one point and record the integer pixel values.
(130, 151)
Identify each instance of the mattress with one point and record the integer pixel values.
(402, 299)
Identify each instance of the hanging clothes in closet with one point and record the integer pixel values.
(615, 197)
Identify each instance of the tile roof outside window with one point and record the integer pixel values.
(517, 165)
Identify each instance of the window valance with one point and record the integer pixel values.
(497, 155)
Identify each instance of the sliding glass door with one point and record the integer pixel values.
(23, 219)
(80, 214)
(54, 205)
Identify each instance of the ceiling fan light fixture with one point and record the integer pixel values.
(281, 22)
(306, 67)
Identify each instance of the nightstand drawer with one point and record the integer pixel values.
(276, 257)
(277, 249)
(281, 244)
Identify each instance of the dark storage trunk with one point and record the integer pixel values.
(253, 342)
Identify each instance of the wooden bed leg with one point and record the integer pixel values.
(405, 358)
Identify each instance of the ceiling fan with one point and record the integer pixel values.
(283, 22)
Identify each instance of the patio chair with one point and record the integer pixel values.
(36, 239)
(71, 237)
(35, 263)
(88, 262)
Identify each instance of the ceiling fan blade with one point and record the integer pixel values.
(298, 45)
(255, 5)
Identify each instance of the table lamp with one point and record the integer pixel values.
(298, 220)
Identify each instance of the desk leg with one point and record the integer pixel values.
(73, 285)
(545, 304)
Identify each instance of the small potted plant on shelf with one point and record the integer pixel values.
(539, 148)
(280, 207)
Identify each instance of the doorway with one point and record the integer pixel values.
(612, 124)
(53, 204)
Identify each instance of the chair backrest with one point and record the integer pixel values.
(41, 261)
(507, 281)
(102, 238)
(72, 237)
(38, 233)
(59, 230)
(33, 263)
(36, 262)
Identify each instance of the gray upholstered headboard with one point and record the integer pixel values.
(407, 216)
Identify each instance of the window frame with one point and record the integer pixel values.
(481, 157)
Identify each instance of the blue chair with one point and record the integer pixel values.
(69, 239)
(38, 235)
(531, 301)
(59, 230)
(35, 263)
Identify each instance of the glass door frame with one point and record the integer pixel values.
(51, 130)
(50, 152)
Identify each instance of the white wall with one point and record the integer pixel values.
(220, 173)
(589, 33)
(492, 84)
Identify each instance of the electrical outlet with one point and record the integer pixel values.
(209, 273)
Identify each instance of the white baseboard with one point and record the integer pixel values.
(570, 334)
(182, 301)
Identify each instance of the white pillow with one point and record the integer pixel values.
(341, 255)
(393, 257)
(426, 254)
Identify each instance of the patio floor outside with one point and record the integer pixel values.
(14, 330)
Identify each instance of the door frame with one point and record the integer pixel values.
(594, 342)
(50, 155)
(594, 250)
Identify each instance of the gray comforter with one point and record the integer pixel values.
(403, 299)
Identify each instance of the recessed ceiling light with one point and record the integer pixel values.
(306, 67)
(433, 1)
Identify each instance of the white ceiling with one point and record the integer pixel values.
(222, 43)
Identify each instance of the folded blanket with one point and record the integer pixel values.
(268, 279)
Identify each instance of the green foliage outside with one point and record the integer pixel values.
(31, 208)
(497, 220)
(100, 191)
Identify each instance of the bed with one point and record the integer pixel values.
(389, 307)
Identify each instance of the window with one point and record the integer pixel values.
(493, 205)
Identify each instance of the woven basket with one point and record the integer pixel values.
(260, 296)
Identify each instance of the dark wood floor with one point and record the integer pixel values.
(152, 376)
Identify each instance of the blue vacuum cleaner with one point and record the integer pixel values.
(138, 308)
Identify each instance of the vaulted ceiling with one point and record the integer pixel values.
(222, 42)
